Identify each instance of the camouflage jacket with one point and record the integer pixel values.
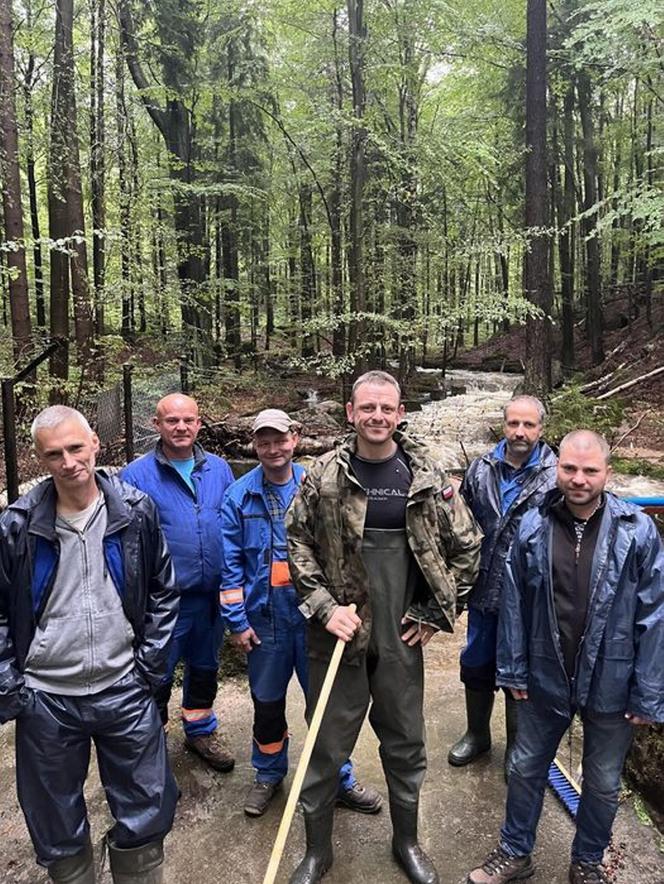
(325, 526)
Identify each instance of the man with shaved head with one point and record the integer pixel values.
(581, 631)
(188, 484)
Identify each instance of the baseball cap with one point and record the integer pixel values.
(273, 419)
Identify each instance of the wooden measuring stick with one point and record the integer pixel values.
(303, 763)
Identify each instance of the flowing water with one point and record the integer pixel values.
(458, 427)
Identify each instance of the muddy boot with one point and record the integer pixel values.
(477, 738)
(318, 858)
(77, 869)
(137, 865)
(407, 852)
(511, 712)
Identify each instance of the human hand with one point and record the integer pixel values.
(417, 632)
(518, 695)
(636, 720)
(246, 640)
(344, 622)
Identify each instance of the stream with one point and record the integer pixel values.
(462, 422)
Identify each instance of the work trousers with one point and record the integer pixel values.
(478, 658)
(606, 741)
(197, 640)
(53, 740)
(281, 629)
(390, 678)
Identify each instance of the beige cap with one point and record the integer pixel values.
(273, 419)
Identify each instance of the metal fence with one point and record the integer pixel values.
(120, 414)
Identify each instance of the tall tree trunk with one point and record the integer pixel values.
(594, 315)
(12, 206)
(32, 183)
(97, 148)
(229, 237)
(122, 130)
(58, 217)
(78, 255)
(537, 282)
(307, 267)
(616, 226)
(566, 210)
(177, 125)
(356, 50)
(336, 247)
(406, 204)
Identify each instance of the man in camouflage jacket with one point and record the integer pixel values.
(376, 524)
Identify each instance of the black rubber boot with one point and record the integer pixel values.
(78, 869)
(318, 858)
(137, 865)
(511, 712)
(477, 738)
(407, 852)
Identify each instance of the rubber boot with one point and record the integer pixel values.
(318, 858)
(137, 865)
(407, 852)
(511, 713)
(477, 738)
(77, 869)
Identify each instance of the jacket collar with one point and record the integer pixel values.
(421, 466)
(200, 457)
(43, 513)
(256, 477)
(615, 506)
(543, 454)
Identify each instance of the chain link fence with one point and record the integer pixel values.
(120, 413)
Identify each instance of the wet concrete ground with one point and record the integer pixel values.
(461, 809)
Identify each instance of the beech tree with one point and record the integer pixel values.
(12, 203)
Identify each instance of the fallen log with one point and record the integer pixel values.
(600, 382)
(632, 383)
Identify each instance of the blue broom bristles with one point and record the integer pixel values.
(565, 787)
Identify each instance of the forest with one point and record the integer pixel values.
(337, 184)
(268, 192)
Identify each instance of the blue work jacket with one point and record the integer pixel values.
(481, 491)
(190, 520)
(620, 660)
(247, 532)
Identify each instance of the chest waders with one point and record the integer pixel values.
(389, 682)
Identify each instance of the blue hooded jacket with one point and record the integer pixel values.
(481, 489)
(620, 661)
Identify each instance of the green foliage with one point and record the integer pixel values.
(637, 466)
(573, 410)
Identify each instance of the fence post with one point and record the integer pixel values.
(184, 375)
(9, 433)
(128, 411)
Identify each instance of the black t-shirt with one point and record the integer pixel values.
(386, 483)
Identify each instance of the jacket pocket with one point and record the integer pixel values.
(60, 649)
(612, 677)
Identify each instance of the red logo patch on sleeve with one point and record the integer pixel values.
(448, 493)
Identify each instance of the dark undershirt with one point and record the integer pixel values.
(386, 483)
(571, 578)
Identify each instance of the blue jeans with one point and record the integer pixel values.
(606, 741)
(197, 640)
(282, 651)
